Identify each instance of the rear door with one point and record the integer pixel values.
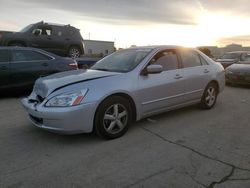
(59, 39)
(44, 39)
(4, 68)
(28, 65)
(157, 92)
(196, 72)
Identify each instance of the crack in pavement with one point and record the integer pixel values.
(192, 178)
(148, 177)
(223, 179)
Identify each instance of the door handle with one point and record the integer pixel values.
(177, 76)
(206, 71)
(45, 64)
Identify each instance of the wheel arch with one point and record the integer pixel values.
(76, 45)
(124, 95)
(216, 83)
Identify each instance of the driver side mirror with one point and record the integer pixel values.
(152, 69)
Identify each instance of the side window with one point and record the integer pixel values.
(25, 55)
(190, 58)
(47, 31)
(167, 59)
(4, 56)
(246, 57)
(203, 61)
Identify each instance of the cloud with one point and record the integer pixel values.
(243, 40)
(127, 11)
(239, 7)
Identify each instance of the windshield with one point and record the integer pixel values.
(122, 61)
(231, 56)
(26, 28)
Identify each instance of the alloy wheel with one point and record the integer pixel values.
(74, 52)
(115, 118)
(210, 96)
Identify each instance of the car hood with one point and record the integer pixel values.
(243, 68)
(46, 85)
(3, 32)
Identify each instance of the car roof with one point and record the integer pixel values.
(68, 26)
(159, 47)
(237, 52)
(27, 48)
(18, 48)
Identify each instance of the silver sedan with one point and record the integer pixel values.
(125, 86)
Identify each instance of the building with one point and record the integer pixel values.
(94, 48)
(218, 52)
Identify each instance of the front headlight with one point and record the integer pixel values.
(68, 99)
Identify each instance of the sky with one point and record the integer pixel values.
(139, 22)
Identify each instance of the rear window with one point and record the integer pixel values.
(4, 55)
(231, 56)
(190, 58)
(26, 55)
(246, 57)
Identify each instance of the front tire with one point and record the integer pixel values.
(209, 97)
(113, 117)
(74, 52)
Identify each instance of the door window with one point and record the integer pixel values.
(203, 61)
(167, 59)
(190, 58)
(25, 55)
(4, 56)
(246, 57)
(45, 31)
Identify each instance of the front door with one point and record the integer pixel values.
(158, 92)
(28, 65)
(43, 37)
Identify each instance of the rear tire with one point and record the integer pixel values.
(209, 96)
(113, 118)
(74, 52)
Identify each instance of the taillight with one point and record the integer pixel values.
(74, 65)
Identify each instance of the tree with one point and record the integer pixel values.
(206, 51)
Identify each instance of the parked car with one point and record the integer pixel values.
(239, 73)
(230, 58)
(87, 62)
(20, 66)
(125, 86)
(58, 39)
